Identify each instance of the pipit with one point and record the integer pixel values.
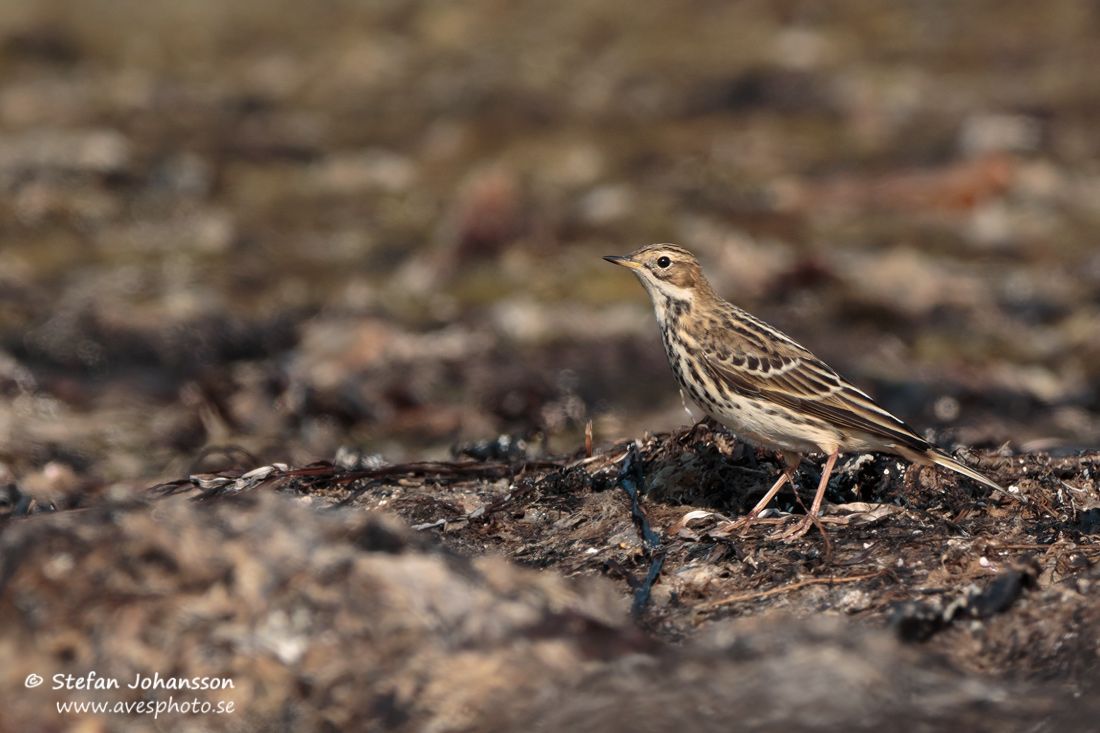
(762, 385)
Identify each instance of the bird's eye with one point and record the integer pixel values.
(663, 262)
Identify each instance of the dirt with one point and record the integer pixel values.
(901, 554)
(539, 594)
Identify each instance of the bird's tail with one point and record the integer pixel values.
(942, 459)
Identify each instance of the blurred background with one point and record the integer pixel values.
(290, 227)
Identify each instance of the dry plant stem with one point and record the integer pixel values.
(711, 605)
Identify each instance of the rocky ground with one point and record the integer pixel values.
(357, 247)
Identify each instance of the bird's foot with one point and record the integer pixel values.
(798, 529)
(802, 526)
(728, 528)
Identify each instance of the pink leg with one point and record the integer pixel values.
(803, 525)
(788, 475)
(790, 461)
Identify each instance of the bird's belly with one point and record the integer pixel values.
(773, 427)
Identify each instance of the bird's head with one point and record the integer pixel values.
(665, 269)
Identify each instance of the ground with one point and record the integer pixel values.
(550, 593)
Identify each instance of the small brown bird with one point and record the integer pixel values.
(764, 386)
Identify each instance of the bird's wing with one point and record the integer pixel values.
(766, 363)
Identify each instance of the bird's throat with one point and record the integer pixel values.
(671, 310)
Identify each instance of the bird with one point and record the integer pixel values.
(764, 386)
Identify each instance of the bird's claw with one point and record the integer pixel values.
(798, 529)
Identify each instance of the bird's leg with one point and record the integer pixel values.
(790, 463)
(803, 525)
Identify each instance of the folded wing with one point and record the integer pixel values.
(790, 376)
